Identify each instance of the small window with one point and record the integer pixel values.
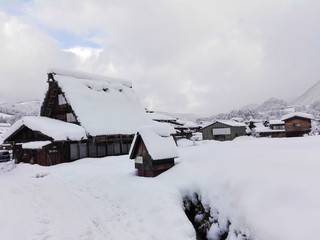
(61, 100)
(70, 117)
(297, 124)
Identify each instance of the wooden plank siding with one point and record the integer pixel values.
(297, 126)
(235, 131)
(149, 167)
(66, 151)
(51, 107)
(25, 134)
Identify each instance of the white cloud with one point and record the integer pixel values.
(183, 56)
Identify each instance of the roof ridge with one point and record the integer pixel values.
(88, 76)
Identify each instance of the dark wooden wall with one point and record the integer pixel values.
(297, 126)
(25, 134)
(149, 167)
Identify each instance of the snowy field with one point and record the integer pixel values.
(268, 189)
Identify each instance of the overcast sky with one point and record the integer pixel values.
(202, 57)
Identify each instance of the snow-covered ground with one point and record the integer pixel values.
(267, 189)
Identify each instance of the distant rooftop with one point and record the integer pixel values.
(297, 114)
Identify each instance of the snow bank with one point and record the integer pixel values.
(268, 188)
(6, 166)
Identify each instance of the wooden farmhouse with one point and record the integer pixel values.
(153, 150)
(105, 109)
(46, 141)
(275, 129)
(297, 124)
(223, 130)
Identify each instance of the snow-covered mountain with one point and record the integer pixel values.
(274, 108)
(12, 112)
(309, 97)
(272, 104)
(183, 116)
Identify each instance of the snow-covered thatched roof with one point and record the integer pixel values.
(56, 129)
(297, 114)
(102, 105)
(158, 141)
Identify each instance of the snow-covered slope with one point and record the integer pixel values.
(272, 104)
(266, 188)
(310, 96)
(183, 116)
(13, 112)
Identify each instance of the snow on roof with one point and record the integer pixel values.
(256, 120)
(159, 116)
(186, 124)
(232, 123)
(102, 106)
(35, 145)
(237, 119)
(259, 125)
(190, 124)
(88, 76)
(56, 129)
(276, 122)
(297, 114)
(158, 141)
(267, 130)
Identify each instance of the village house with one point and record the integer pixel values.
(46, 141)
(274, 129)
(297, 124)
(153, 150)
(106, 109)
(184, 129)
(223, 130)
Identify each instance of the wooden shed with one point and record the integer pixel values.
(45, 141)
(223, 130)
(153, 150)
(297, 124)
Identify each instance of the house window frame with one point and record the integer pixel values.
(71, 118)
(61, 100)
